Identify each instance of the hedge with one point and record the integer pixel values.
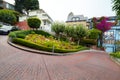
(22, 34)
(43, 48)
(88, 42)
(41, 32)
(8, 16)
(117, 54)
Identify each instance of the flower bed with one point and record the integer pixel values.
(46, 42)
(49, 42)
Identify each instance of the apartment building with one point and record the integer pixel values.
(43, 16)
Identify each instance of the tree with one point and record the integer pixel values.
(19, 5)
(80, 32)
(58, 28)
(69, 30)
(116, 7)
(30, 5)
(102, 25)
(26, 5)
(76, 33)
(8, 16)
(34, 22)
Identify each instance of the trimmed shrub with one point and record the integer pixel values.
(39, 47)
(20, 34)
(41, 32)
(94, 33)
(23, 33)
(34, 22)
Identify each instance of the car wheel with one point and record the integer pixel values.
(8, 32)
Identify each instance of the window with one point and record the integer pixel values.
(45, 22)
(44, 14)
(77, 18)
(73, 19)
(7, 6)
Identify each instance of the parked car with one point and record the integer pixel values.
(6, 29)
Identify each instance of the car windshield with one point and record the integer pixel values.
(6, 27)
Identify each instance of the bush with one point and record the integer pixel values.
(23, 33)
(117, 54)
(94, 33)
(20, 34)
(49, 42)
(34, 22)
(39, 47)
(8, 16)
(41, 32)
(88, 42)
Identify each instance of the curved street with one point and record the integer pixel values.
(16, 64)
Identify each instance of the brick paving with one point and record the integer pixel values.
(16, 64)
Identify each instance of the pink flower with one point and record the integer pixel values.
(103, 25)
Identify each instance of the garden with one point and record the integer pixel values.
(44, 41)
(41, 40)
(66, 38)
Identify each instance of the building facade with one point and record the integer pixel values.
(46, 20)
(111, 36)
(6, 5)
(110, 39)
(77, 20)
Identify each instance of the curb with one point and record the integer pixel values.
(33, 50)
(44, 52)
(115, 60)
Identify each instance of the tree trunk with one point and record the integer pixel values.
(101, 39)
(78, 41)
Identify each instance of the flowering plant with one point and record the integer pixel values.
(103, 25)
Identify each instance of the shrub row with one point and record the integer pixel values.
(117, 54)
(22, 34)
(89, 42)
(19, 34)
(39, 47)
(41, 32)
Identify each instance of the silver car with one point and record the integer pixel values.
(6, 29)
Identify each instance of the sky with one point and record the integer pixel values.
(59, 9)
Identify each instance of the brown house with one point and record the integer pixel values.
(77, 20)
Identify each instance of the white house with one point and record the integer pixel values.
(43, 16)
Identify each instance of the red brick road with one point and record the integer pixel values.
(16, 64)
